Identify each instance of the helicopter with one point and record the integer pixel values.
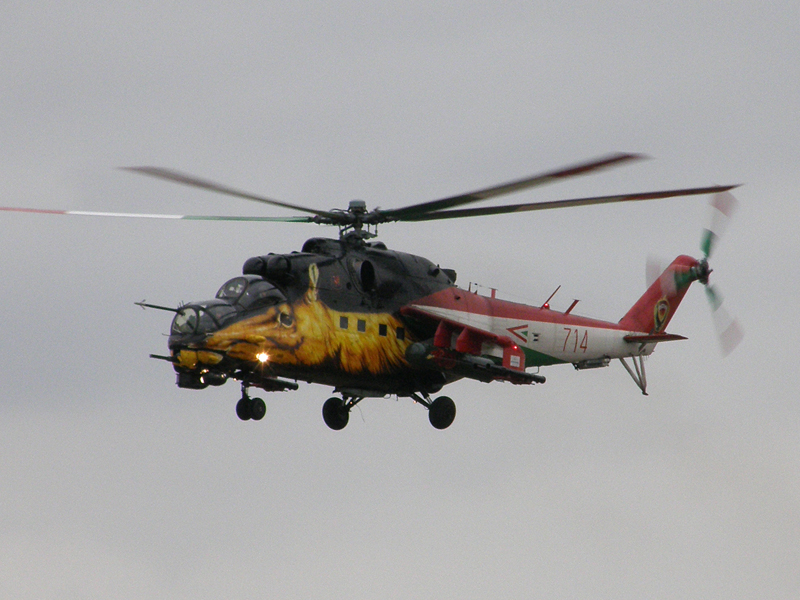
(372, 322)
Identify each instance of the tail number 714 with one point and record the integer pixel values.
(576, 339)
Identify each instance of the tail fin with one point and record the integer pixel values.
(653, 311)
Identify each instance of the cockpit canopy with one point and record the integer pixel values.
(239, 295)
(250, 292)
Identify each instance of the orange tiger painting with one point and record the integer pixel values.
(307, 333)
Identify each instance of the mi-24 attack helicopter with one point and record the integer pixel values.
(371, 322)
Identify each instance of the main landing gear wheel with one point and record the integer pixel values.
(335, 413)
(442, 412)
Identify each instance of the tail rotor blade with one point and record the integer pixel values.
(656, 271)
(730, 337)
(728, 329)
(653, 268)
(723, 205)
(714, 298)
(669, 285)
(708, 242)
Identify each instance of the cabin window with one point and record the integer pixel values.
(343, 322)
(362, 325)
(261, 293)
(383, 330)
(401, 334)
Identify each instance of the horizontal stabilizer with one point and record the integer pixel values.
(653, 338)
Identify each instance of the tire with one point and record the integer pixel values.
(243, 409)
(442, 412)
(335, 414)
(257, 409)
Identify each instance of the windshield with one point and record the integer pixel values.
(185, 320)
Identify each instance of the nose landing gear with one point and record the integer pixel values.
(250, 408)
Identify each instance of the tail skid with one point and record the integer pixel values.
(637, 373)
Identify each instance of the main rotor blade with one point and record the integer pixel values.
(499, 210)
(406, 213)
(86, 213)
(204, 184)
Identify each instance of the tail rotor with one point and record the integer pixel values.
(729, 332)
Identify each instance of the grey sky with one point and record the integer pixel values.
(116, 484)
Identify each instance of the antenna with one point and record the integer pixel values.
(547, 302)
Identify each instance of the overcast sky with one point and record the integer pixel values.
(114, 483)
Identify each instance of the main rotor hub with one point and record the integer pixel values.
(357, 207)
(351, 226)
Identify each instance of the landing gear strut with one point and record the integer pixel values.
(250, 408)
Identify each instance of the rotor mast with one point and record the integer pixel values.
(351, 228)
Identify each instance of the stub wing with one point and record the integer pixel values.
(469, 351)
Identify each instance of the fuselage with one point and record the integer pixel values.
(371, 321)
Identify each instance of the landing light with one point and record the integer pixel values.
(262, 357)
